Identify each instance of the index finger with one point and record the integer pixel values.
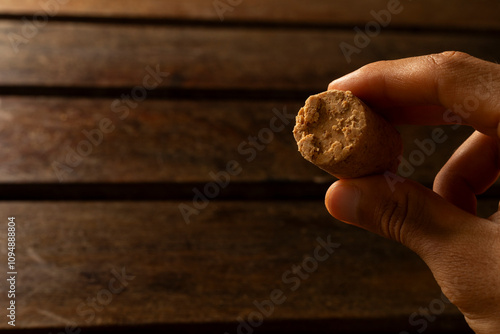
(450, 87)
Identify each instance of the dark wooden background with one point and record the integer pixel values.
(119, 206)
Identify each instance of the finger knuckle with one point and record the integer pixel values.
(447, 58)
(399, 216)
(446, 66)
(392, 215)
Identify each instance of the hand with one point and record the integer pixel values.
(441, 226)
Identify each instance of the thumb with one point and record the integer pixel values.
(461, 250)
(404, 211)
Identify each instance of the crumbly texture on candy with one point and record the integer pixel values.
(337, 132)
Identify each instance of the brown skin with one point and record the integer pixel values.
(441, 226)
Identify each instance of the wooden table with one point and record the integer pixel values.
(147, 157)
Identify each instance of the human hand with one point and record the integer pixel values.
(441, 226)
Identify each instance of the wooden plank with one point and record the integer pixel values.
(461, 14)
(159, 141)
(211, 270)
(97, 55)
(172, 141)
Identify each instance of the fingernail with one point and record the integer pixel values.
(342, 201)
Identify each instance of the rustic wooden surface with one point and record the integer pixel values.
(212, 270)
(118, 207)
(104, 55)
(477, 15)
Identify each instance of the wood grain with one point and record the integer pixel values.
(456, 14)
(103, 56)
(172, 141)
(64, 88)
(212, 270)
(159, 141)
